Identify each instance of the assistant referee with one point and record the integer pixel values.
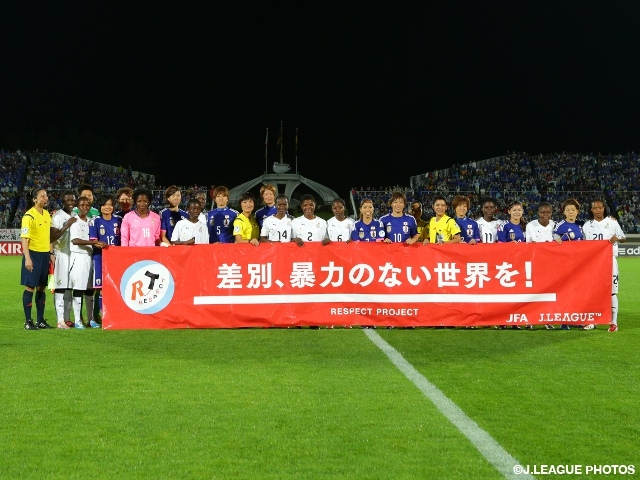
(36, 237)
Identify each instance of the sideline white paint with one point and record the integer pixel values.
(486, 445)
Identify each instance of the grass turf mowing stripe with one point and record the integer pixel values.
(486, 445)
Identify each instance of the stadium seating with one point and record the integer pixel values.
(520, 176)
(530, 179)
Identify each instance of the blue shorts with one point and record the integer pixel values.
(97, 271)
(39, 276)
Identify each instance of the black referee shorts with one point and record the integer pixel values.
(40, 275)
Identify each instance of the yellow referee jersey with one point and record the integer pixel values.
(247, 227)
(36, 227)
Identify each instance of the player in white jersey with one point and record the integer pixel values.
(487, 224)
(191, 231)
(541, 229)
(201, 196)
(62, 252)
(339, 227)
(600, 226)
(80, 271)
(277, 227)
(308, 227)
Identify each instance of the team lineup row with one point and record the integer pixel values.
(80, 232)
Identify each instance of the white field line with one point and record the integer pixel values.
(486, 445)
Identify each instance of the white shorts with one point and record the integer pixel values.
(61, 271)
(81, 271)
(614, 284)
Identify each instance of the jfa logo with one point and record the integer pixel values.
(147, 287)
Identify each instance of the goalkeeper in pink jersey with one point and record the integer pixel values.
(141, 226)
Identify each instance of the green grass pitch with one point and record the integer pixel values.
(301, 403)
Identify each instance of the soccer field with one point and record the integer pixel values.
(329, 403)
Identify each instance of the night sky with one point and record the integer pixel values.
(378, 93)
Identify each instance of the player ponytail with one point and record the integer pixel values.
(32, 196)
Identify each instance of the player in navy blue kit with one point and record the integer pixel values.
(268, 194)
(172, 214)
(367, 229)
(104, 228)
(220, 219)
(568, 229)
(469, 231)
(513, 229)
(399, 226)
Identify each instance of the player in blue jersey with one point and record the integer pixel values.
(103, 228)
(513, 229)
(568, 230)
(172, 214)
(268, 194)
(399, 226)
(469, 231)
(367, 229)
(220, 219)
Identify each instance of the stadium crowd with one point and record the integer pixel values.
(530, 179)
(516, 176)
(22, 171)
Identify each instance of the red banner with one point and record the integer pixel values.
(283, 285)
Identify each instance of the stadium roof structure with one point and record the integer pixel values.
(281, 176)
(289, 182)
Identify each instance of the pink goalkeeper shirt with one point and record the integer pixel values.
(140, 232)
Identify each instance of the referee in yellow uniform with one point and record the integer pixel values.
(36, 236)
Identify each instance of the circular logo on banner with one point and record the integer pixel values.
(147, 287)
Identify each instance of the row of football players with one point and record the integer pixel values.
(77, 273)
(398, 226)
(272, 223)
(275, 225)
